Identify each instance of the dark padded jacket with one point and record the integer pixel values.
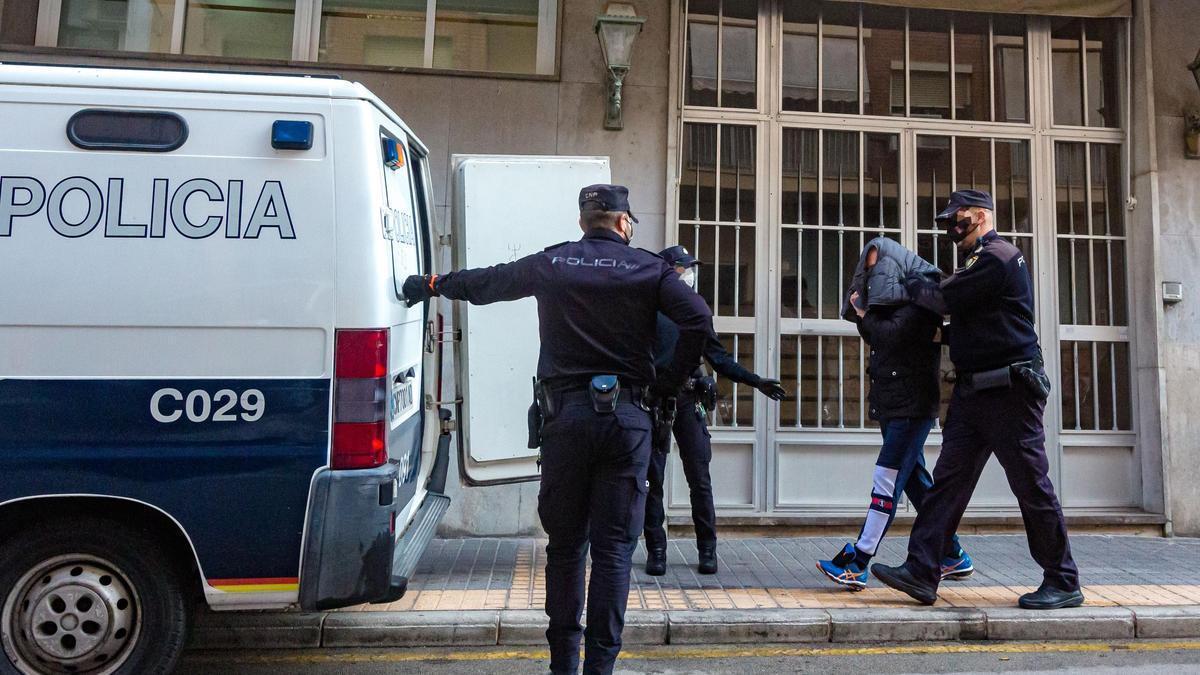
(904, 361)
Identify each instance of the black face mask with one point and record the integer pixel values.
(961, 229)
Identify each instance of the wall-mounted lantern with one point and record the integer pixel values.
(616, 29)
(1192, 133)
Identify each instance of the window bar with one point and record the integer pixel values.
(734, 388)
(1112, 315)
(718, 170)
(841, 384)
(820, 221)
(737, 218)
(953, 98)
(820, 67)
(993, 181)
(862, 374)
(799, 380)
(907, 74)
(1095, 385)
(820, 380)
(861, 64)
(1083, 71)
(1074, 347)
(841, 201)
(933, 215)
(1112, 363)
(861, 137)
(1070, 230)
(695, 128)
(992, 82)
(881, 222)
(1091, 257)
(952, 182)
(799, 162)
(720, 74)
(1012, 202)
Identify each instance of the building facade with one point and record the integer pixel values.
(774, 138)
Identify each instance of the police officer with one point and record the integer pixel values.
(597, 304)
(691, 433)
(997, 406)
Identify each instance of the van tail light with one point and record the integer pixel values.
(360, 399)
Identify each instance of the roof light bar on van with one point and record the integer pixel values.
(393, 154)
(360, 399)
(292, 135)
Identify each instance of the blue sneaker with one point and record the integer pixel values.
(843, 571)
(959, 567)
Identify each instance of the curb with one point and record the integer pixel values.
(294, 630)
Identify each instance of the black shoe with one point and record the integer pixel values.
(901, 579)
(708, 558)
(1049, 597)
(656, 561)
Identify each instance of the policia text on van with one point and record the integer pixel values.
(209, 387)
(196, 208)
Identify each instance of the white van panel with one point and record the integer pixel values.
(507, 207)
(266, 267)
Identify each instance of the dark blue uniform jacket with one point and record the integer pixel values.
(990, 303)
(714, 352)
(597, 302)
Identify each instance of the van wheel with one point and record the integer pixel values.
(92, 597)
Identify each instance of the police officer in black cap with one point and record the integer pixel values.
(598, 299)
(997, 405)
(691, 432)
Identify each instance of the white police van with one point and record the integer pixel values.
(210, 387)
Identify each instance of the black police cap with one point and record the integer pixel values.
(607, 197)
(962, 199)
(678, 256)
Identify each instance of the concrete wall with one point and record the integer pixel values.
(1174, 42)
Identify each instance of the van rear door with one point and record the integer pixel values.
(405, 223)
(496, 359)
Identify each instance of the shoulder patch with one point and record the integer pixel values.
(561, 243)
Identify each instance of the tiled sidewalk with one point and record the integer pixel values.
(771, 573)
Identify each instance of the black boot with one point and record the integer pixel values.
(1049, 597)
(708, 558)
(656, 561)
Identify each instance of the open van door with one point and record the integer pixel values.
(506, 207)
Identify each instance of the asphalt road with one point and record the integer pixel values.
(1126, 658)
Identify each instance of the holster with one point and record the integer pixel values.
(661, 424)
(535, 418)
(1032, 375)
(706, 393)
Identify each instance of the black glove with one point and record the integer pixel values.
(419, 288)
(772, 389)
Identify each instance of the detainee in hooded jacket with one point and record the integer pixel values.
(905, 355)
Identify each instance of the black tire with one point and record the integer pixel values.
(94, 563)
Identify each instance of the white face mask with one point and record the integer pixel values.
(689, 277)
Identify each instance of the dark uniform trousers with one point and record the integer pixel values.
(593, 490)
(695, 453)
(1008, 422)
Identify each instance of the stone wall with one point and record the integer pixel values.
(1174, 42)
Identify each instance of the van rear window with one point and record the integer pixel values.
(134, 130)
